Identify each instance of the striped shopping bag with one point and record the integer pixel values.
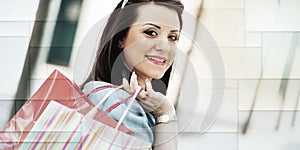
(60, 116)
(60, 127)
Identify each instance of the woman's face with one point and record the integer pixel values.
(150, 45)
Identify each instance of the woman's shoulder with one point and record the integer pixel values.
(92, 85)
(113, 97)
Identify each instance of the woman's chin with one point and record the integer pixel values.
(157, 76)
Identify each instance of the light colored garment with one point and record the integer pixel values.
(137, 120)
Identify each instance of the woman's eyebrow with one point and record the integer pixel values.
(152, 25)
(159, 27)
(174, 31)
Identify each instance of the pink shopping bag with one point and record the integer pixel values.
(63, 101)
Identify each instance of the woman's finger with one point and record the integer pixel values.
(142, 95)
(133, 82)
(149, 89)
(126, 85)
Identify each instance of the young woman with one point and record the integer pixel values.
(137, 48)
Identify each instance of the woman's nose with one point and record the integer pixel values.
(162, 45)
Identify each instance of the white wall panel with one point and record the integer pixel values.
(14, 28)
(272, 15)
(18, 10)
(261, 134)
(13, 51)
(208, 141)
(225, 25)
(276, 47)
(253, 39)
(242, 62)
(223, 4)
(268, 96)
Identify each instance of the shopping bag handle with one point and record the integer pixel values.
(106, 96)
(132, 96)
(98, 89)
(137, 91)
(93, 111)
(112, 107)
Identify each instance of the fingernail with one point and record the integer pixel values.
(134, 75)
(148, 83)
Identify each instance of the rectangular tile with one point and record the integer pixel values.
(194, 141)
(267, 96)
(18, 10)
(228, 29)
(242, 62)
(14, 28)
(208, 112)
(253, 39)
(261, 133)
(15, 49)
(223, 4)
(237, 62)
(281, 54)
(271, 15)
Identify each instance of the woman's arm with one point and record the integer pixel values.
(166, 129)
(165, 136)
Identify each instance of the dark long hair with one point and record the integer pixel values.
(109, 63)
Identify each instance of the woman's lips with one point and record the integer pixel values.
(158, 60)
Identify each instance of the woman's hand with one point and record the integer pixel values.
(153, 102)
(157, 104)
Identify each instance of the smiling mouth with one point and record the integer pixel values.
(157, 60)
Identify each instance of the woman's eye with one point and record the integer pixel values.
(150, 32)
(173, 37)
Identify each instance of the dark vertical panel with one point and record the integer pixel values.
(22, 93)
(64, 32)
